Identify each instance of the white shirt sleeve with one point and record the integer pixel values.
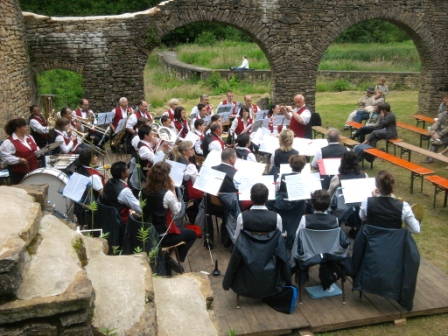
(251, 157)
(215, 145)
(146, 154)
(409, 218)
(239, 225)
(170, 202)
(302, 224)
(7, 151)
(191, 173)
(306, 116)
(36, 126)
(197, 147)
(97, 183)
(316, 158)
(64, 148)
(127, 198)
(280, 223)
(132, 121)
(234, 125)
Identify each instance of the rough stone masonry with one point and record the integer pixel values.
(111, 51)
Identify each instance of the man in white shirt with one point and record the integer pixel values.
(201, 114)
(119, 113)
(300, 116)
(244, 65)
(205, 101)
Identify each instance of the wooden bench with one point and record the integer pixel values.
(440, 184)
(424, 134)
(416, 170)
(407, 148)
(322, 131)
(422, 119)
(354, 125)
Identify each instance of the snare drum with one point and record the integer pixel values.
(56, 181)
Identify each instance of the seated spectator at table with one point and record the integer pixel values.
(365, 114)
(439, 135)
(382, 86)
(242, 148)
(383, 210)
(387, 128)
(282, 154)
(372, 124)
(363, 102)
(443, 105)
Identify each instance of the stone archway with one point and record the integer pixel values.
(293, 34)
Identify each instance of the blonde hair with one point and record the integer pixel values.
(180, 147)
(285, 140)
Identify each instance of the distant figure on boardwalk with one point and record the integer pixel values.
(244, 65)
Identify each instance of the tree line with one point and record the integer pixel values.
(371, 31)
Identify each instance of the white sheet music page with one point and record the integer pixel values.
(177, 172)
(76, 187)
(209, 180)
(300, 186)
(105, 118)
(249, 168)
(356, 190)
(247, 182)
(331, 166)
(193, 137)
(268, 144)
(213, 159)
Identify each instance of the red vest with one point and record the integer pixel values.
(139, 115)
(241, 127)
(43, 123)
(119, 115)
(181, 126)
(255, 108)
(208, 107)
(24, 152)
(170, 114)
(298, 129)
(93, 171)
(271, 125)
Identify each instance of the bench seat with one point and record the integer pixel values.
(440, 184)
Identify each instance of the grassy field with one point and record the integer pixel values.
(401, 56)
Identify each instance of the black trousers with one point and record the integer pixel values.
(186, 235)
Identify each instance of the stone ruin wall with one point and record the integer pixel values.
(111, 51)
(16, 89)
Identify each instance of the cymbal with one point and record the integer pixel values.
(418, 211)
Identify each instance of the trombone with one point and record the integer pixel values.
(83, 139)
(85, 123)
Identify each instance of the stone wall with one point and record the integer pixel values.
(16, 89)
(111, 51)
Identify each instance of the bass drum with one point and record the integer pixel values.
(56, 181)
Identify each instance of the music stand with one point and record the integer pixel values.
(105, 118)
(225, 116)
(256, 125)
(280, 120)
(224, 108)
(261, 114)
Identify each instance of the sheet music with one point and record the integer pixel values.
(256, 125)
(266, 122)
(329, 166)
(356, 190)
(191, 136)
(224, 108)
(177, 172)
(105, 117)
(245, 167)
(225, 116)
(247, 182)
(261, 114)
(268, 144)
(213, 159)
(209, 180)
(285, 168)
(300, 186)
(308, 147)
(280, 120)
(76, 186)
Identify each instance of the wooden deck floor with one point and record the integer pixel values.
(256, 318)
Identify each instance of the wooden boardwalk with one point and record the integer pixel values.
(256, 318)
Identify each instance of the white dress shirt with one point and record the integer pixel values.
(127, 198)
(170, 202)
(7, 149)
(65, 148)
(240, 225)
(37, 127)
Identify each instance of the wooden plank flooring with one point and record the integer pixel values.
(256, 318)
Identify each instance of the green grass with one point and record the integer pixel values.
(401, 56)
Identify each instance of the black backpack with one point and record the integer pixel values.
(314, 121)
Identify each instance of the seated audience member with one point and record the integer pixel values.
(282, 154)
(163, 206)
(228, 159)
(18, 150)
(349, 169)
(320, 219)
(258, 267)
(382, 86)
(243, 66)
(363, 102)
(180, 122)
(213, 141)
(387, 128)
(372, 124)
(383, 210)
(199, 128)
(242, 149)
(368, 110)
(297, 163)
(184, 151)
(166, 121)
(443, 105)
(258, 213)
(439, 135)
(116, 192)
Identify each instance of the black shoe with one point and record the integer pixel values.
(174, 265)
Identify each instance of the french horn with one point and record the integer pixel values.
(167, 134)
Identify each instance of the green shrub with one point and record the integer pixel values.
(206, 38)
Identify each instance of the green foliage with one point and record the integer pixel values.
(150, 39)
(231, 332)
(66, 85)
(116, 250)
(109, 332)
(373, 31)
(206, 38)
(105, 236)
(138, 249)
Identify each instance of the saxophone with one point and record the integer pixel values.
(119, 136)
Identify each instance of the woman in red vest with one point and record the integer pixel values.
(70, 142)
(18, 150)
(180, 122)
(243, 122)
(274, 111)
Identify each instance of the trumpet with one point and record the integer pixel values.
(78, 133)
(83, 120)
(88, 125)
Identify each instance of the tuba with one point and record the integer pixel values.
(47, 104)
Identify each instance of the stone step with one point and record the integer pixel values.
(184, 306)
(55, 288)
(124, 296)
(19, 222)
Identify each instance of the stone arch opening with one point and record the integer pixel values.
(66, 84)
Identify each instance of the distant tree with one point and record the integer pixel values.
(373, 31)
